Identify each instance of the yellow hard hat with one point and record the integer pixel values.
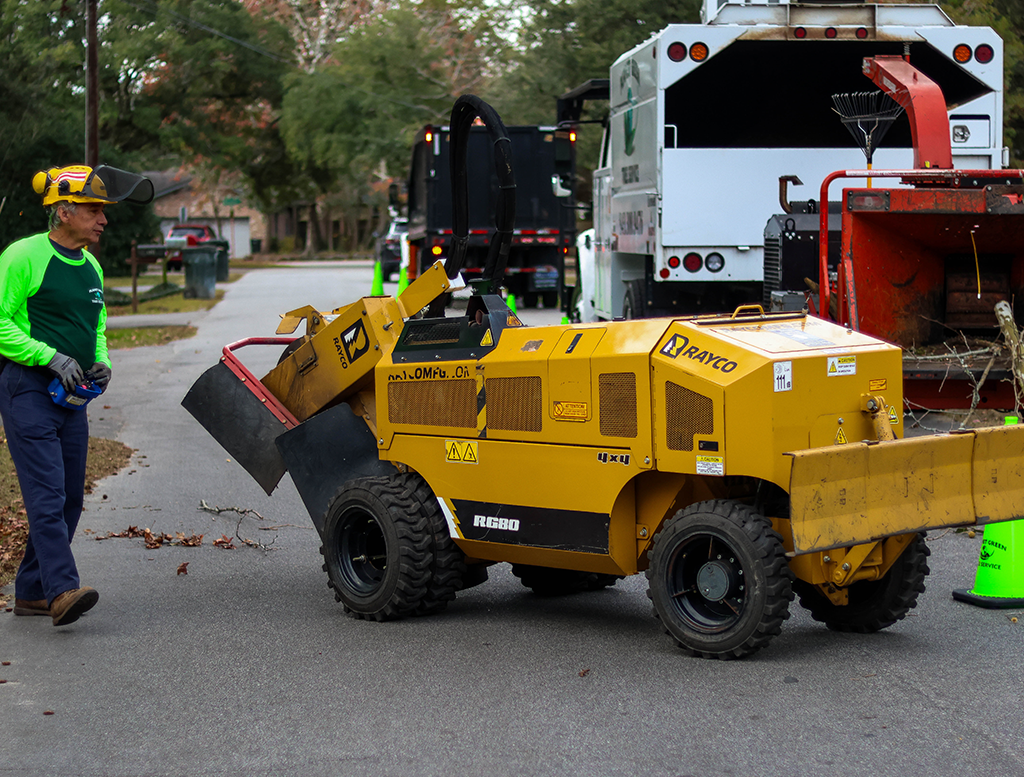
(81, 183)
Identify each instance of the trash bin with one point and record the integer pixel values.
(200, 264)
(255, 245)
(223, 258)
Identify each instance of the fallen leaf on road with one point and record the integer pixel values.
(584, 672)
(183, 568)
(224, 542)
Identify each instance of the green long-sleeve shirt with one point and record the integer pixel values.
(50, 303)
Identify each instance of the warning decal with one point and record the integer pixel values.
(877, 384)
(710, 465)
(487, 339)
(569, 411)
(842, 365)
(461, 451)
(841, 437)
(783, 376)
(893, 416)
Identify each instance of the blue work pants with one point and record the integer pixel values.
(49, 445)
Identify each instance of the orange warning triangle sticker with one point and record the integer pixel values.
(893, 418)
(841, 437)
(487, 339)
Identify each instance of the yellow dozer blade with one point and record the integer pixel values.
(850, 494)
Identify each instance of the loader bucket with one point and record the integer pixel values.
(852, 494)
(227, 407)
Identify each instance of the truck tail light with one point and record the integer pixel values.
(436, 250)
(715, 262)
(677, 51)
(962, 53)
(699, 52)
(673, 262)
(984, 53)
(693, 262)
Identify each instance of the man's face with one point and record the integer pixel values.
(85, 225)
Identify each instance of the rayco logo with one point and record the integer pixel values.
(679, 345)
(494, 522)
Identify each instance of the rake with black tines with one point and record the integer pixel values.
(868, 116)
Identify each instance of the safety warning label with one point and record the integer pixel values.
(842, 365)
(841, 437)
(462, 451)
(710, 465)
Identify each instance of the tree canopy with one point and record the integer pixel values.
(318, 100)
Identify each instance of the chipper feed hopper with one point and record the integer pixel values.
(736, 459)
(928, 261)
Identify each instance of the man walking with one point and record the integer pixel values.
(52, 324)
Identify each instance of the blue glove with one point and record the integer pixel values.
(67, 370)
(99, 374)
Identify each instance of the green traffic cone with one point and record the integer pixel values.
(377, 290)
(403, 280)
(565, 320)
(511, 301)
(999, 581)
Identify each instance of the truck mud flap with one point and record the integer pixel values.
(851, 494)
(325, 452)
(240, 421)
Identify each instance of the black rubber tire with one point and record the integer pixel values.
(447, 562)
(545, 581)
(377, 549)
(530, 299)
(732, 551)
(550, 300)
(633, 302)
(874, 604)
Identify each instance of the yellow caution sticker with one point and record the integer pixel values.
(878, 384)
(487, 339)
(461, 451)
(569, 411)
(710, 465)
(841, 437)
(513, 320)
(894, 417)
(842, 365)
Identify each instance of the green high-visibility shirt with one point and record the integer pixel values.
(50, 303)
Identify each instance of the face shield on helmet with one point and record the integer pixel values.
(81, 183)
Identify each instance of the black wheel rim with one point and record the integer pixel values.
(707, 583)
(362, 551)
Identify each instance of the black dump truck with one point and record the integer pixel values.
(545, 223)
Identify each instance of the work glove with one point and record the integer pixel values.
(67, 369)
(99, 374)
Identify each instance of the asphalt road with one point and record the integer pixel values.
(247, 666)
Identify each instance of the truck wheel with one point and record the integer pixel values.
(719, 579)
(545, 581)
(377, 549)
(447, 562)
(550, 300)
(874, 604)
(633, 303)
(530, 299)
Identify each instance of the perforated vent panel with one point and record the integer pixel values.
(433, 403)
(617, 404)
(514, 404)
(686, 413)
(432, 333)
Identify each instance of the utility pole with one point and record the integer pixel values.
(92, 89)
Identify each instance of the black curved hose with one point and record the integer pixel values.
(466, 109)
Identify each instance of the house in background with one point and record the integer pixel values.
(181, 198)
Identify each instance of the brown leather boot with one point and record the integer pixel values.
(69, 606)
(34, 607)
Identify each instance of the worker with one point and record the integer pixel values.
(52, 324)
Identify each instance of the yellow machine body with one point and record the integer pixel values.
(569, 446)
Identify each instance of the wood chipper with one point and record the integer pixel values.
(924, 265)
(736, 459)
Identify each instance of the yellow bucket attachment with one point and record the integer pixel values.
(850, 494)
